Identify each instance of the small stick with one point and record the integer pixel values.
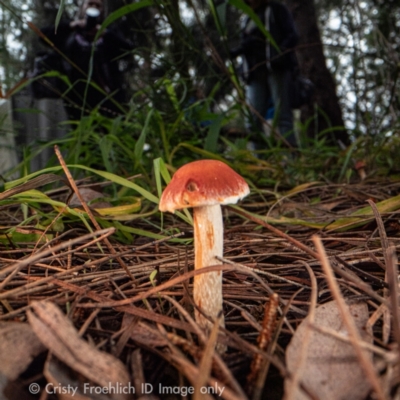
(158, 241)
(228, 376)
(294, 383)
(392, 272)
(88, 321)
(278, 232)
(381, 227)
(348, 321)
(138, 377)
(360, 284)
(89, 212)
(39, 256)
(388, 262)
(205, 365)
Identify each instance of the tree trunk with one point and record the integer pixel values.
(313, 65)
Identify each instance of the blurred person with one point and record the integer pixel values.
(268, 71)
(75, 39)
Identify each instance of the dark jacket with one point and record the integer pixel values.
(258, 51)
(76, 45)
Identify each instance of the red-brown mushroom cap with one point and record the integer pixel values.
(203, 183)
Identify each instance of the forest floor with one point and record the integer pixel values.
(277, 253)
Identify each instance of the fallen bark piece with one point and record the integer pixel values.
(58, 334)
(330, 368)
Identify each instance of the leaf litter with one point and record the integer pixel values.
(91, 309)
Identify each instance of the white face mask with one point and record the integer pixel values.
(92, 12)
(92, 17)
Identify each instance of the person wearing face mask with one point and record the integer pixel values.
(268, 67)
(93, 66)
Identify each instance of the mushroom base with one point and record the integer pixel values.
(207, 288)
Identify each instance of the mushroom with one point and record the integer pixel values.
(360, 168)
(205, 185)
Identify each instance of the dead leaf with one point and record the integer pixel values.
(58, 376)
(88, 196)
(331, 369)
(58, 334)
(18, 347)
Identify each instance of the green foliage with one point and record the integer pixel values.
(360, 46)
(241, 5)
(170, 122)
(60, 12)
(122, 12)
(148, 146)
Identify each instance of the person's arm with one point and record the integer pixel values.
(59, 36)
(116, 44)
(248, 42)
(290, 36)
(246, 46)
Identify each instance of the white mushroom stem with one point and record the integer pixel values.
(208, 243)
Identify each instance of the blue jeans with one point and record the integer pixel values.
(266, 85)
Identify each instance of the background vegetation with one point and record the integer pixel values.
(187, 102)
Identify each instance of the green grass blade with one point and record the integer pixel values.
(241, 5)
(107, 175)
(211, 141)
(142, 139)
(160, 170)
(216, 17)
(59, 13)
(203, 153)
(121, 12)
